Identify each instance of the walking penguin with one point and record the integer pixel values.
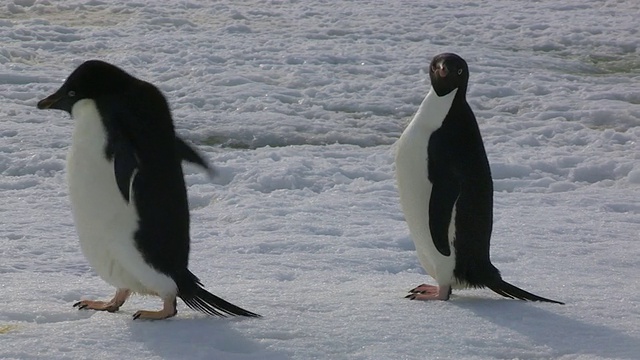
(127, 190)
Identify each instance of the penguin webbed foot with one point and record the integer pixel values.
(429, 292)
(112, 305)
(96, 305)
(422, 288)
(170, 309)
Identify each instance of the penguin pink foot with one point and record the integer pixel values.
(429, 292)
(423, 287)
(112, 305)
(168, 310)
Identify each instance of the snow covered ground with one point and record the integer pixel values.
(298, 104)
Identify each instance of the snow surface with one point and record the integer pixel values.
(298, 104)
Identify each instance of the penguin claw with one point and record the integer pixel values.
(80, 305)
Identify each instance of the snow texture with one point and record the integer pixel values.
(298, 104)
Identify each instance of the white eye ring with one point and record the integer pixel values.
(459, 71)
(71, 93)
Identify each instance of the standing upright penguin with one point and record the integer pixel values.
(446, 191)
(127, 190)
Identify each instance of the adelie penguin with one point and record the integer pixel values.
(127, 190)
(446, 191)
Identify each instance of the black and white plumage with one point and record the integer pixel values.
(446, 190)
(127, 190)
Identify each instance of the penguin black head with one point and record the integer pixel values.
(448, 72)
(89, 81)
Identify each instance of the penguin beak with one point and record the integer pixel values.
(49, 102)
(441, 69)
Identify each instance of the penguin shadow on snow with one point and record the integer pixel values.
(563, 334)
(199, 338)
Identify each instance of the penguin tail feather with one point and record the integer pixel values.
(505, 289)
(206, 302)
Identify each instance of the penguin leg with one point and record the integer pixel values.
(111, 306)
(169, 309)
(430, 292)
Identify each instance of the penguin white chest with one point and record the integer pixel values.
(412, 176)
(104, 221)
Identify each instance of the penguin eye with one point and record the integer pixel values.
(459, 71)
(71, 93)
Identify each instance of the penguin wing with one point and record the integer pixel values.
(444, 194)
(445, 189)
(188, 153)
(125, 166)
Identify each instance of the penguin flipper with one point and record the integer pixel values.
(125, 167)
(505, 289)
(444, 194)
(188, 153)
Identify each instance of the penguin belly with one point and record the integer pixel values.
(415, 193)
(104, 221)
(412, 176)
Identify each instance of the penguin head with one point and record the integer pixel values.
(448, 72)
(91, 80)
